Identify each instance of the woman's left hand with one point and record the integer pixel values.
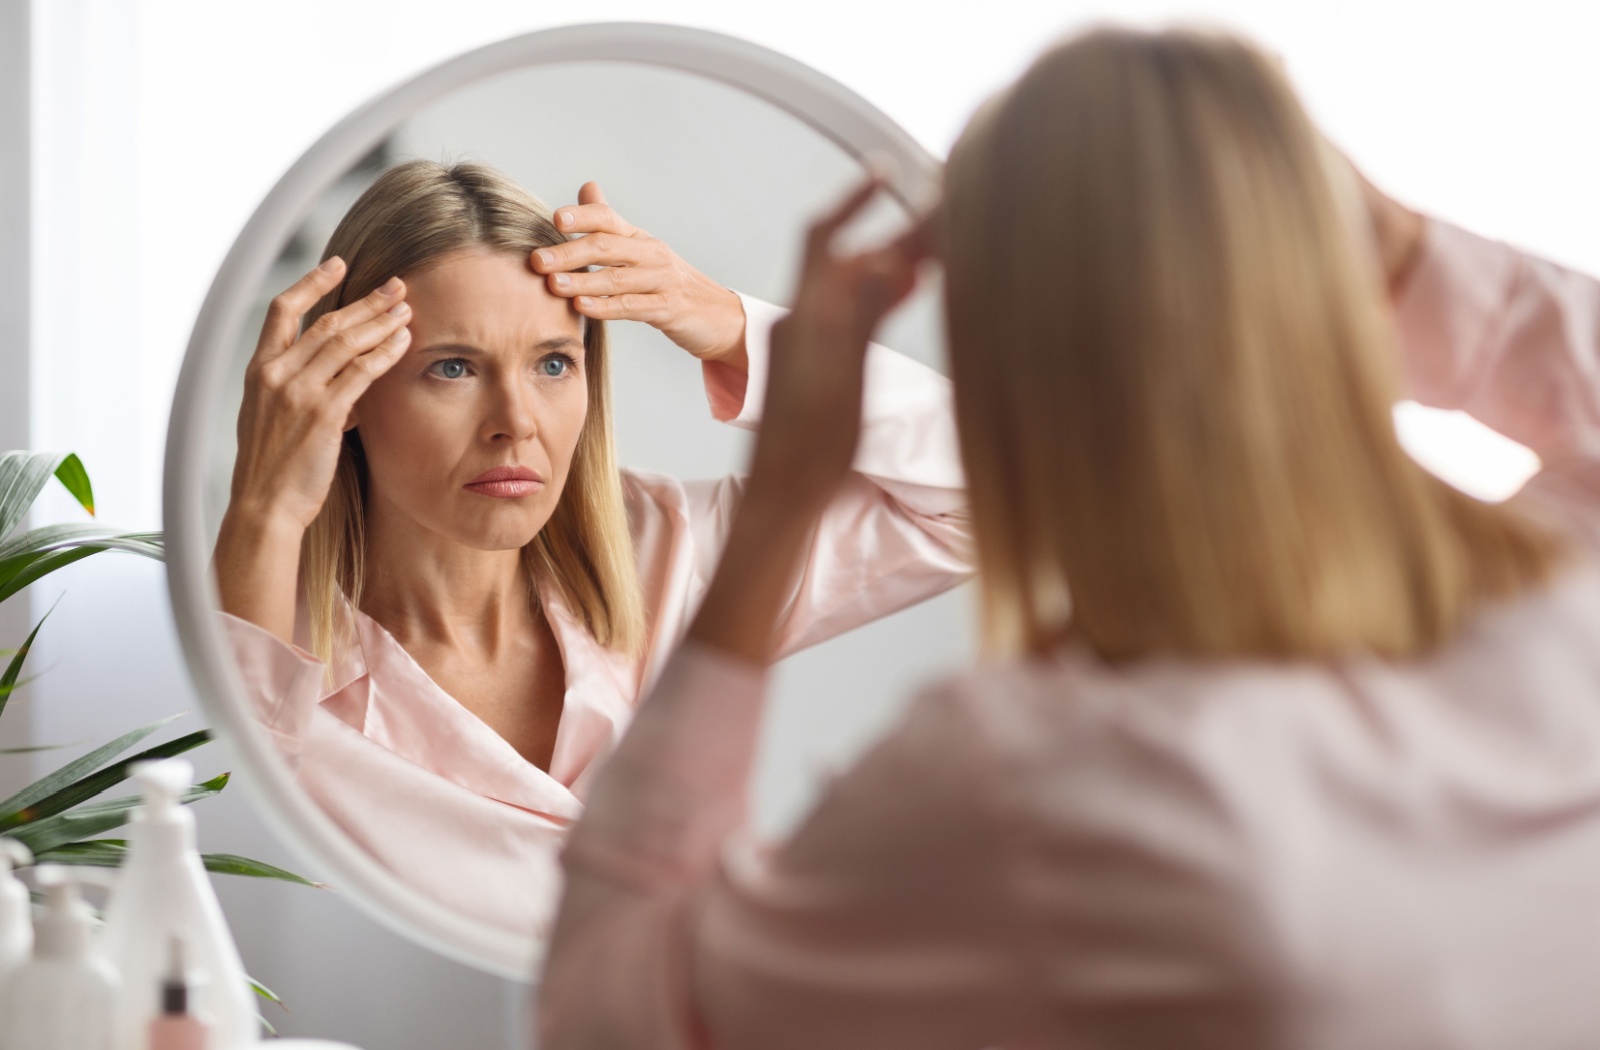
(641, 280)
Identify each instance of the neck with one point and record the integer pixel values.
(425, 588)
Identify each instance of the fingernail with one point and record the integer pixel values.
(403, 335)
(585, 301)
(563, 218)
(562, 280)
(330, 264)
(400, 309)
(390, 286)
(544, 257)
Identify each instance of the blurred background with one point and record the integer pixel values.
(136, 137)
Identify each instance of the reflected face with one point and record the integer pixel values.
(471, 434)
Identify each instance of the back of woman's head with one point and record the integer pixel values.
(414, 216)
(1175, 374)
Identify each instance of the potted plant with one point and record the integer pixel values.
(61, 818)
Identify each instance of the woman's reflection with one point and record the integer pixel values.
(444, 596)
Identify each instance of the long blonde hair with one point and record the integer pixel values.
(415, 214)
(1174, 375)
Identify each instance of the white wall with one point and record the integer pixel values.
(15, 294)
(158, 124)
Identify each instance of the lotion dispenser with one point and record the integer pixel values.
(64, 997)
(163, 893)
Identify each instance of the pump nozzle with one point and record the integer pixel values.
(163, 782)
(13, 855)
(62, 932)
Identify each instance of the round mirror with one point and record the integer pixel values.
(420, 808)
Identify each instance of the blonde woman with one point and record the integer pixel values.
(1283, 742)
(444, 595)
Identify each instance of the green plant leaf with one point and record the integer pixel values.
(91, 853)
(72, 475)
(79, 767)
(38, 747)
(7, 690)
(262, 990)
(230, 864)
(110, 853)
(8, 680)
(38, 552)
(96, 818)
(22, 476)
(51, 537)
(88, 787)
(17, 573)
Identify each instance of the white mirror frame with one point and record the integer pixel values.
(827, 106)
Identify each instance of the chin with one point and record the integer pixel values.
(497, 536)
(498, 540)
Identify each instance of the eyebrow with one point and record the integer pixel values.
(559, 342)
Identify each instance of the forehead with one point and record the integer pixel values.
(482, 297)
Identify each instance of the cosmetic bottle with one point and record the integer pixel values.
(64, 996)
(16, 909)
(177, 1027)
(161, 893)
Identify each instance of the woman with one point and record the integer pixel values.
(443, 594)
(1311, 758)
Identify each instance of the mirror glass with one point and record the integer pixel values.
(726, 180)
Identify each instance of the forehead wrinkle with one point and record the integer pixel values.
(471, 349)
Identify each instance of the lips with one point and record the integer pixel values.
(508, 482)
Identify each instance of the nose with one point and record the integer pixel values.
(512, 413)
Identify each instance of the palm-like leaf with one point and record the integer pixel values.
(24, 474)
(8, 679)
(110, 853)
(88, 787)
(36, 553)
(96, 818)
(36, 748)
(79, 767)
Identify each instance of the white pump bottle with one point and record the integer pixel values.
(64, 997)
(163, 892)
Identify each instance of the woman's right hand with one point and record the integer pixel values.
(299, 389)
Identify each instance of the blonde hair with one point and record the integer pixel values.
(1174, 375)
(414, 215)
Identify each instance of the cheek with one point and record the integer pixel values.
(567, 415)
(402, 432)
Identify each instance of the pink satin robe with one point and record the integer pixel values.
(452, 808)
(1058, 853)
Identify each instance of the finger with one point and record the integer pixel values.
(360, 371)
(821, 234)
(852, 203)
(630, 307)
(282, 326)
(592, 218)
(352, 342)
(597, 249)
(920, 241)
(330, 325)
(888, 280)
(589, 193)
(613, 280)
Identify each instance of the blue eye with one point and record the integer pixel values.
(554, 365)
(453, 368)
